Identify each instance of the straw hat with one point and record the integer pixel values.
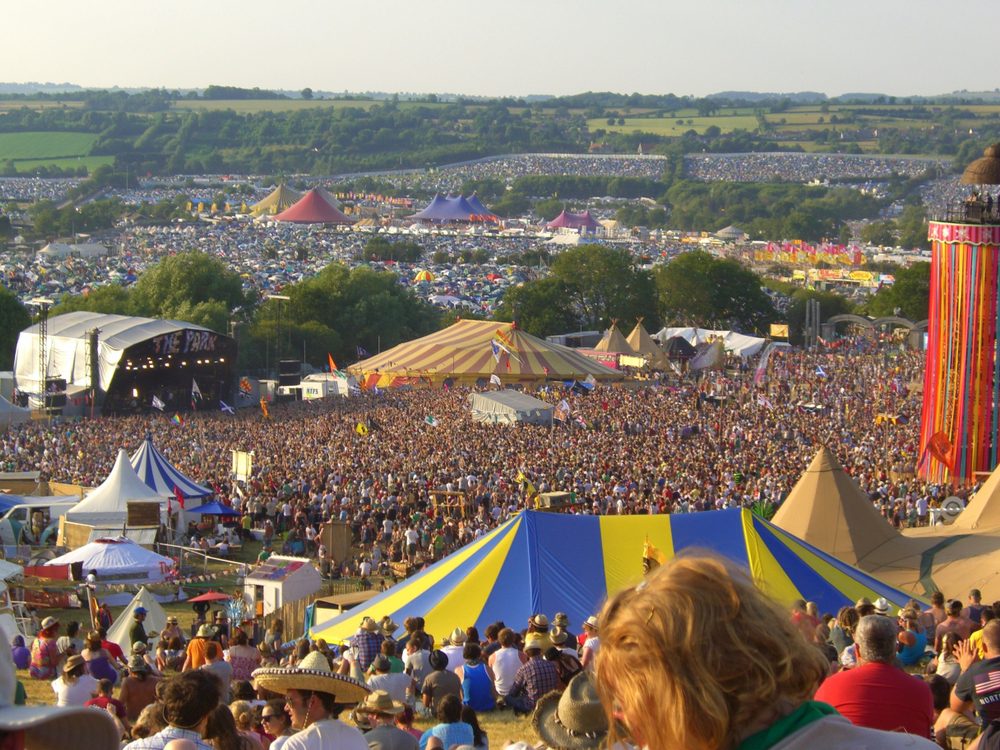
(591, 622)
(312, 673)
(73, 662)
(370, 625)
(205, 631)
(573, 720)
(532, 640)
(379, 702)
(881, 606)
(540, 621)
(50, 727)
(388, 627)
(558, 636)
(48, 622)
(458, 637)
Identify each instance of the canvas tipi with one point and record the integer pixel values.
(644, 345)
(614, 343)
(156, 619)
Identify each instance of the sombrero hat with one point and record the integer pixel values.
(312, 673)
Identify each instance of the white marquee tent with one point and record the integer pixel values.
(737, 343)
(108, 504)
(119, 560)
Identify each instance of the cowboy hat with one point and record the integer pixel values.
(73, 662)
(540, 621)
(370, 625)
(50, 727)
(558, 636)
(388, 627)
(458, 637)
(573, 720)
(379, 702)
(312, 673)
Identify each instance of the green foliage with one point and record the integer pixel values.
(90, 217)
(880, 233)
(913, 228)
(539, 307)
(235, 92)
(701, 287)
(910, 294)
(110, 300)
(184, 286)
(830, 304)
(511, 205)
(549, 209)
(15, 318)
(380, 248)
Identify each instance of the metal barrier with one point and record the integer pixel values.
(183, 552)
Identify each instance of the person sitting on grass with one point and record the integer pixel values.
(534, 679)
(450, 730)
(189, 699)
(105, 693)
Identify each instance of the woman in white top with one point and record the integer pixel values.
(591, 645)
(75, 687)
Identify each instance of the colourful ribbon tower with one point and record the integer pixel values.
(960, 419)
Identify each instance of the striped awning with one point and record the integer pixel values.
(464, 352)
(159, 474)
(552, 562)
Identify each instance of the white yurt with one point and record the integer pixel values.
(118, 561)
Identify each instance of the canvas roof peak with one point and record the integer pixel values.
(643, 344)
(108, 503)
(281, 197)
(983, 511)
(613, 341)
(313, 209)
(827, 509)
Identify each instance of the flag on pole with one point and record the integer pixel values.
(430, 420)
(355, 389)
(820, 372)
(495, 379)
(157, 404)
(333, 366)
(226, 407)
(263, 406)
(195, 394)
(941, 448)
(591, 381)
(376, 391)
(562, 411)
(652, 558)
(179, 495)
(361, 428)
(525, 483)
(362, 352)
(496, 351)
(177, 420)
(762, 401)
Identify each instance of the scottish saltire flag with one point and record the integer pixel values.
(376, 391)
(226, 407)
(157, 404)
(820, 372)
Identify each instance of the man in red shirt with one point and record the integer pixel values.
(111, 647)
(875, 694)
(105, 689)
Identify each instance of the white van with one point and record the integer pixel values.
(17, 519)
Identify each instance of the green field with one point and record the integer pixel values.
(73, 162)
(48, 146)
(668, 126)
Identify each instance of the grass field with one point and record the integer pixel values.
(668, 126)
(90, 162)
(7, 106)
(18, 146)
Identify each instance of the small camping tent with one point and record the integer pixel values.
(507, 407)
(280, 580)
(119, 561)
(156, 620)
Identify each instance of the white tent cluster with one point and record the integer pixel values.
(736, 343)
(108, 504)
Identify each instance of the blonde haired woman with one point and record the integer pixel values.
(696, 657)
(243, 716)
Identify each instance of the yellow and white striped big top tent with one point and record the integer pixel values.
(464, 353)
(554, 562)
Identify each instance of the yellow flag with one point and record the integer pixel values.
(361, 429)
(779, 330)
(652, 558)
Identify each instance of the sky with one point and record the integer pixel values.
(510, 47)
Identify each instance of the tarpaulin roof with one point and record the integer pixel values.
(506, 407)
(121, 558)
(313, 209)
(574, 221)
(549, 562)
(464, 351)
(453, 209)
(737, 343)
(158, 473)
(281, 197)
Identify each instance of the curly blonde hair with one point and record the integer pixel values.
(696, 653)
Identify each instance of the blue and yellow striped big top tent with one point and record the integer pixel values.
(551, 562)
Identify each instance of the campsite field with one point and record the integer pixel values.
(48, 146)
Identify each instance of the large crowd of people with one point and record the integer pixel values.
(800, 167)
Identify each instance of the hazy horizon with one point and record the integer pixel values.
(519, 48)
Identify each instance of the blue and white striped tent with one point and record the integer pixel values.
(157, 472)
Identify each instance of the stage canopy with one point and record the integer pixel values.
(454, 209)
(313, 209)
(119, 560)
(574, 221)
(464, 352)
(553, 562)
(737, 343)
(108, 504)
(507, 407)
(282, 197)
(160, 475)
(151, 356)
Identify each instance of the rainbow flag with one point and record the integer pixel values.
(177, 420)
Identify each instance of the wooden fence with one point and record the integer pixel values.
(293, 614)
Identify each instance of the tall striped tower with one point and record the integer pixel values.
(961, 409)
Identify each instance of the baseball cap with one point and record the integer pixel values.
(140, 611)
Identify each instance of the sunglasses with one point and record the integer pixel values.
(265, 717)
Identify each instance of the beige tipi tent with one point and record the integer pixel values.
(614, 343)
(827, 509)
(156, 619)
(644, 345)
(281, 197)
(983, 512)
